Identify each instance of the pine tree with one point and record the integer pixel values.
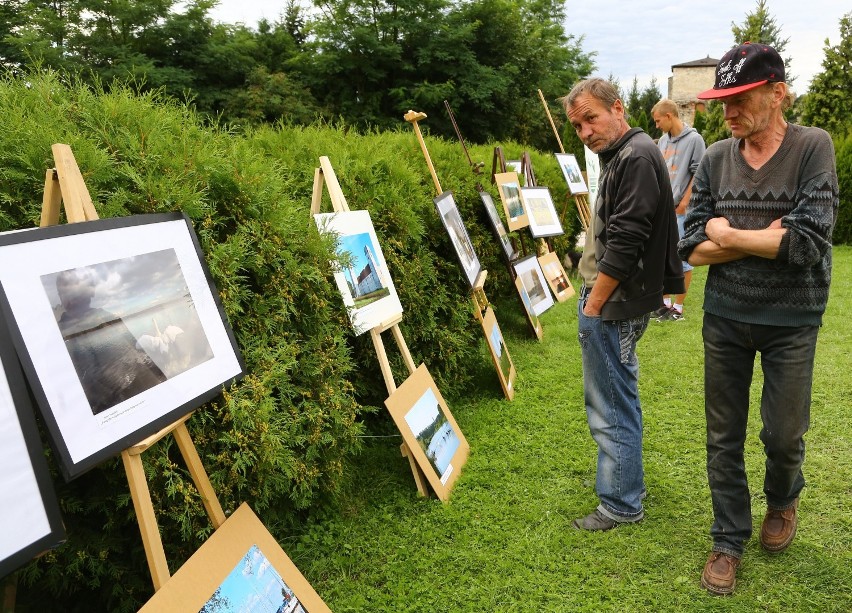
(828, 104)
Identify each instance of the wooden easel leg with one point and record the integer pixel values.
(10, 593)
(144, 508)
(403, 348)
(384, 364)
(419, 477)
(199, 475)
(51, 201)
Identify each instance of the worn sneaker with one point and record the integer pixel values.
(660, 312)
(670, 314)
(720, 573)
(779, 528)
(598, 522)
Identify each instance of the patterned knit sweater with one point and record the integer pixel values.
(799, 185)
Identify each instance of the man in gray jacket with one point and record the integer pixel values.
(629, 261)
(682, 148)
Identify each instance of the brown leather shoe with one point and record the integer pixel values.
(779, 528)
(720, 573)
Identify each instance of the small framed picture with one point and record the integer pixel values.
(430, 431)
(544, 221)
(514, 166)
(497, 227)
(571, 171)
(530, 274)
(29, 510)
(241, 567)
(360, 271)
(449, 213)
(532, 318)
(119, 329)
(513, 201)
(499, 353)
(556, 277)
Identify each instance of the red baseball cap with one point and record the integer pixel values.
(743, 68)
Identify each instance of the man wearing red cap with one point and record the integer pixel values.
(763, 207)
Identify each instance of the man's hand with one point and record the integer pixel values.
(717, 229)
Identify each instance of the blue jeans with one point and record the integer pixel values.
(787, 360)
(610, 382)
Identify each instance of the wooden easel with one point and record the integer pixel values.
(480, 300)
(64, 185)
(581, 199)
(324, 175)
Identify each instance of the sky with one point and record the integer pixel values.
(644, 38)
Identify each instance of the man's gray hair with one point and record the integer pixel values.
(598, 88)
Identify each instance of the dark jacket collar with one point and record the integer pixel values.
(609, 153)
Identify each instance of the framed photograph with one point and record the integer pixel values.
(593, 173)
(571, 171)
(556, 277)
(530, 274)
(499, 353)
(497, 227)
(449, 213)
(118, 327)
(428, 428)
(514, 166)
(544, 221)
(360, 271)
(509, 188)
(532, 318)
(29, 510)
(241, 567)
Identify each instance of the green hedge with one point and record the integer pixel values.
(843, 152)
(282, 438)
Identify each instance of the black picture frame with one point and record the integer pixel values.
(119, 329)
(29, 509)
(498, 229)
(448, 211)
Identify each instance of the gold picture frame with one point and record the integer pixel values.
(236, 561)
(555, 275)
(430, 430)
(499, 353)
(509, 187)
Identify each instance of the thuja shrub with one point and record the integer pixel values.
(843, 152)
(281, 438)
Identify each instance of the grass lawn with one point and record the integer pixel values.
(504, 541)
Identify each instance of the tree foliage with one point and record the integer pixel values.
(761, 27)
(367, 62)
(828, 103)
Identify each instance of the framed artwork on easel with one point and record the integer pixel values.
(29, 510)
(571, 171)
(532, 318)
(529, 272)
(497, 227)
(360, 271)
(241, 567)
(544, 220)
(499, 353)
(509, 187)
(448, 210)
(428, 427)
(119, 329)
(556, 277)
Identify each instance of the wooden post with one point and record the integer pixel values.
(550, 118)
(64, 185)
(413, 117)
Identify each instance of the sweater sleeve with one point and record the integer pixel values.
(701, 209)
(810, 223)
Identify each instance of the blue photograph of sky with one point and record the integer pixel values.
(254, 586)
